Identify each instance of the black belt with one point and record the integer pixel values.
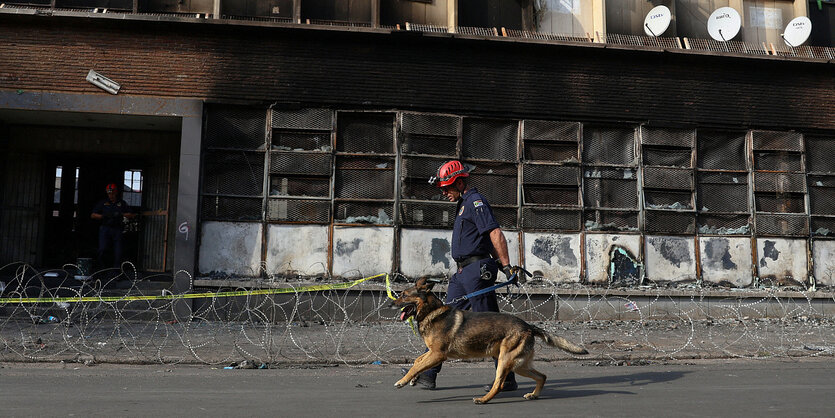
(469, 260)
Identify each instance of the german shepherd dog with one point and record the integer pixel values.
(451, 333)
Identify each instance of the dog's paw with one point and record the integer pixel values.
(399, 384)
(531, 396)
(414, 380)
(479, 401)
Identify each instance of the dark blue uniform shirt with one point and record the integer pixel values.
(473, 222)
(112, 212)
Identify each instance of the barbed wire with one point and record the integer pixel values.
(122, 316)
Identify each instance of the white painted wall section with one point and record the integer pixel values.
(782, 259)
(362, 251)
(554, 256)
(426, 252)
(824, 256)
(230, 248)
(726, 260)
(598, 250)
(670, 259)
(297, 250)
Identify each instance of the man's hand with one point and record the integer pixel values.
(509, 270)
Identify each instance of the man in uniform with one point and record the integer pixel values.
(479, 249)
(110, 212)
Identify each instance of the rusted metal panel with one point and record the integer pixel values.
(553, 256)
(670, 259)
(824, 261)
(782, 261)
(362, 251)
(230, 248)
(613, 259)
(297, 250)
(726, 261)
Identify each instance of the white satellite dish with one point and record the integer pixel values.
(797, 31)
(723, 24)
(657, 21)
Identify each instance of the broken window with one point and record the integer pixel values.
(779, 183)
(668, 182)
(722, 190)
(233, 163)
(364, 183)
(424, 134)
(610, 180)
(301, 162)
(422, 204)
(821, 180)
(498, 181)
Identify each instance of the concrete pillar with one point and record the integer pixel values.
(216, 9)
(598, 19)
(452, 15)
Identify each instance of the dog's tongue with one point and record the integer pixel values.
(402, 315)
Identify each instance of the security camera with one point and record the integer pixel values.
(103, 82)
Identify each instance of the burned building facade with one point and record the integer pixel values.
(296, 138)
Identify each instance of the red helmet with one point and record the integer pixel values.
(111, 186)
(448, 173)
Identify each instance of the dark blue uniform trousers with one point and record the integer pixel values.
(468, 280)
(110, 238)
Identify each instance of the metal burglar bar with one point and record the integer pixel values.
(668, 179)
(821, 181)
(610, 178)
(489, 139)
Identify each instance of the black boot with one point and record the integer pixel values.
(425, 380)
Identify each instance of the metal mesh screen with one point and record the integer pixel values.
(301, 141)
(506, 217)
(778, 161)
(819, 152)
(551, 174)
(300, 163)
(223, 208)
(291, 185)
(497, 181)
(668, 178)
(415, 173)
(638, 40)
(379, 213)
(429, 134)
(550, 195)
(776, 225)
(365, 132)
(561, 152)
(822, 195)
(666, 157)
(489, 139)
(723, 192)
(670, 222)
(777, 141)
(236, 127)
(546, 130)
(287, 210)
(233, 172)
(608, 145)
(779, 203)
(667, 199)
(364, 177)
(610, 220)
(724, 224)
(606, 187)
(303, 119)
(823, 227)
(779, 182)
(683, 138)
(427, 214)
(551, 219)
(721, 150)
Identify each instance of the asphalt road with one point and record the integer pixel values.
(773, 387)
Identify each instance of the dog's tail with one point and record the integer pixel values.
(559, 342)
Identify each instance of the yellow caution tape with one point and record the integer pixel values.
(313, 288)
(411, 320)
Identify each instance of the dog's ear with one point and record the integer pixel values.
(425, 285)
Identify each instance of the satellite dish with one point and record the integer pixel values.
(797, 31)
(723, 24)
(657, 21)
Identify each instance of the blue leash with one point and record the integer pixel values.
(512, 280)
